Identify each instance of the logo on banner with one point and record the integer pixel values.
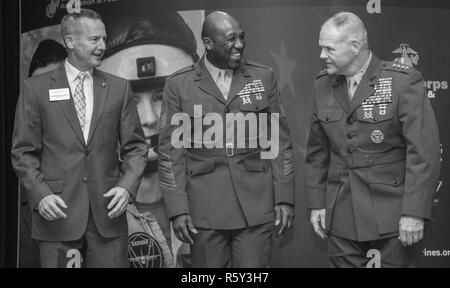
(410, 57)
(373, 6)
(70, 6)
(144, 251)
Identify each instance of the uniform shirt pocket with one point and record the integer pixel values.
(329, 115)
(376, 113)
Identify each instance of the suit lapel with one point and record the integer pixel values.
(101, 88)
(367, 84)
(60, 81)
(340, 91)
(206, 83)
(240, 78)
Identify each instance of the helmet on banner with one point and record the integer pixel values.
(150, 48)
(48, 55)
(145, 49)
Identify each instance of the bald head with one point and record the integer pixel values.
(215, 22)
(349, 25)
(224, 40)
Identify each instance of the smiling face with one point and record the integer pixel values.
(336, 51)
(225, 48)
(86, 43)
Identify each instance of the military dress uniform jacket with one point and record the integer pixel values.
(50, 155)
(220, 191)
(376, 157)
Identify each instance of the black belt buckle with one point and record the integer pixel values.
(230, 149)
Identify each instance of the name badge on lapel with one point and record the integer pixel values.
(59, 94)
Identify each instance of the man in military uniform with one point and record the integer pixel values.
(145, 49)
(373, 155)
(224, 200)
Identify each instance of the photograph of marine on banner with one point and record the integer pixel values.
(145, 49)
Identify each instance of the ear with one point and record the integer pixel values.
(207, 42)
(356, 46)
(69, 40)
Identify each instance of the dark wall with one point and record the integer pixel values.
(9, 85)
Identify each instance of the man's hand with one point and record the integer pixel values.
(318, 222)
(181, 226)
(285, 214)
(410, 230)
(118, 203)
(49, 208)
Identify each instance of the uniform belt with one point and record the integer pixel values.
(363, 160)
(229, 152)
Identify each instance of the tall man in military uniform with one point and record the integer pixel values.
(373, 155)
(224, 200)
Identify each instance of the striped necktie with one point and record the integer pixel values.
(79, 99)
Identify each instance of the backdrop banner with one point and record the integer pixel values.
(284, 34)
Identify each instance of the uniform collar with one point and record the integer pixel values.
(359, 75)
(214, 70)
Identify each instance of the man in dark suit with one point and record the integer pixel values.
(70, 124)
(48, 56)
(373, 154)
(223, 198)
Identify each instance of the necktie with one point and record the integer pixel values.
(79, 99)
(352, 84)
(223, 83)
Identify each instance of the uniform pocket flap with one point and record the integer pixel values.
(387, 179)
(198, 110)
(255, 165)
(330, 115)
(200, 167)
(253, 102)
(55, 185)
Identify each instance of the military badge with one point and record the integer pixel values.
(252, 90)
(246, 99)
(382, 109)
(368, 111)
(377, 136)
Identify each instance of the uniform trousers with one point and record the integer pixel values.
(237, 248)
(388, 252)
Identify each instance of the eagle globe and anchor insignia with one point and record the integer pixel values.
(377, 136)
(144, 251)
(408, 57)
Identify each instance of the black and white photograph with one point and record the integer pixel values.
(225, 134)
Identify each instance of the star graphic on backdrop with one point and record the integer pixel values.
(286, 68)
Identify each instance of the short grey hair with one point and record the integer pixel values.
(70, 18)
(352, 24)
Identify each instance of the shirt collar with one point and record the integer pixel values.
(358, 75)
(214, 70)
(73, 72)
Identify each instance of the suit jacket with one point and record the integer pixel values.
(219, 191)
(50, 155)
(374, 158)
